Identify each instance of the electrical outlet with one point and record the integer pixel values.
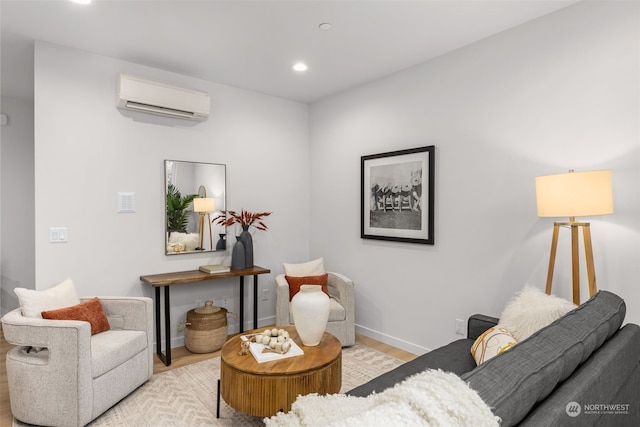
(460, 327)
(265, 295)
(225, 302)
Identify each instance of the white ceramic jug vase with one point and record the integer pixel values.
(310, 309)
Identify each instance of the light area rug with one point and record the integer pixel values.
(186, 396)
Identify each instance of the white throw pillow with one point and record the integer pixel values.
(190, 241)
(310, 268)
(532, 310)
(33, 303)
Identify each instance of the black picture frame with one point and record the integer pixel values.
(397, 191)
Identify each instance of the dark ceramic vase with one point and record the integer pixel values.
(247, 242)
(222, 243)
(237, 256)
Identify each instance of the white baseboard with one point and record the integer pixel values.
(396, 342)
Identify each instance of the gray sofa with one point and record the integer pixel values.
(582, 370)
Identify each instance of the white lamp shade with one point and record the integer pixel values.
(204, 204)
(575, 194)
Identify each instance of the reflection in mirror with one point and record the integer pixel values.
(195, 193)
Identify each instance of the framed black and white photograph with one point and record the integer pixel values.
(397, 193)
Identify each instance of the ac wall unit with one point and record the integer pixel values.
(147, 96)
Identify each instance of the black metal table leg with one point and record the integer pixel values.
(255, 301)
(167, 326)
(218, 401)
(166, 356)
(158, 331)
(241, 304)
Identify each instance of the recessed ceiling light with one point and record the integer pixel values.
(325, 26)
(300, 66)
(81, 1)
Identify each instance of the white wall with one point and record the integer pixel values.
(554, 94)
(86, 151)
(16, 235)
(557, 93)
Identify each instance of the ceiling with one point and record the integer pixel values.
(253, 44)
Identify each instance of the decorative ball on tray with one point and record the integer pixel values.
(274, 341)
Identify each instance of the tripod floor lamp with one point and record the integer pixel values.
(204, 205)
(571, 195)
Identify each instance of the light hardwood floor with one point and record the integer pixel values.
(179, 357)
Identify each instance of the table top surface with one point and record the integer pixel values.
(313, 358)
(191, 276)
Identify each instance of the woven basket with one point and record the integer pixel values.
(206, 329)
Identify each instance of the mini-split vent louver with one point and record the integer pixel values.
(147, 96)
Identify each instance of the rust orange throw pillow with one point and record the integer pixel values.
(295, 283)
(90, 311)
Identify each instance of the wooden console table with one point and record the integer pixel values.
(167, 280)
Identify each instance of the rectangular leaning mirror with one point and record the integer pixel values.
(195, 193)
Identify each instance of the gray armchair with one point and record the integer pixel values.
(341, 322)
(77, 376)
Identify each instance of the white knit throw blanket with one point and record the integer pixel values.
(430, 398)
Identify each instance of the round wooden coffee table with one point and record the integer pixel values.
(263, 389)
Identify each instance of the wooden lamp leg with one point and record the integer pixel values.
(588, 251)
(575, 259)
(575, 264)
(201, 229)
(210, 234)
(552, 257)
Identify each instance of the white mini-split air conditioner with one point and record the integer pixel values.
(147, 96)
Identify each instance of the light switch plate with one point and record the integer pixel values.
(58, 235)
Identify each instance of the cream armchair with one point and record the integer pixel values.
(77, 376)
(341, 322)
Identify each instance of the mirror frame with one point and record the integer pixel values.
(205, 180)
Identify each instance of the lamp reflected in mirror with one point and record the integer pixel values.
(204, 205)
